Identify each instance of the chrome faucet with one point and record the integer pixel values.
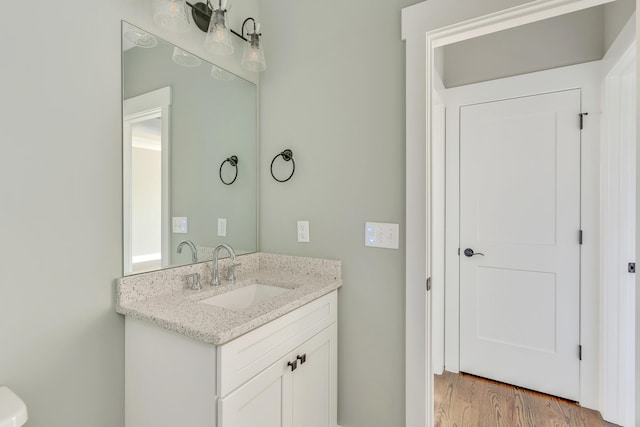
(194, 251)
(215, 280)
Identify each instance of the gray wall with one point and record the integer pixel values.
(616, 15)
(210, 121)
(333, 92)
(565, 40)
(61, 342)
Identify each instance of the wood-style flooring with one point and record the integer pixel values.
(463, 400)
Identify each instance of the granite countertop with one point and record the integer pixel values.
(163, 298)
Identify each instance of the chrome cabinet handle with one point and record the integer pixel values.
(469, 253)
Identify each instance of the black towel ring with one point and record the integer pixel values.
(286, 156)
(233, 161)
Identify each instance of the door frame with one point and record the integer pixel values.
(585, 77)
(139, 108)
(423, 32)
(618, 192)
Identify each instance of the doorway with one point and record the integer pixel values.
(145, 153)
(544, 242)
(445, 35)
(146, 193)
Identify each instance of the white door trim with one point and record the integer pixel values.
(143, 107)
(421, 33)
(587, 78)
(618, 192)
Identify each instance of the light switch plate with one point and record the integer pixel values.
(222, 227)
(381, 235)
(303, 231)
(180, 225)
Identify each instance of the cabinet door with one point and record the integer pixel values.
(314, 383)
(264, 401)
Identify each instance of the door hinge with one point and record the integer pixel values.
(582, 119)
(632, 267)
(580, 352)
(428, 284)
(580, 235)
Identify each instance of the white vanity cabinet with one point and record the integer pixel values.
(297, 390)
(172, 380)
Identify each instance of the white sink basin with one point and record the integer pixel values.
(245, 297)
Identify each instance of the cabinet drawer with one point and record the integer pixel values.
(246, 356)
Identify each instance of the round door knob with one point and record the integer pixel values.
(469, 253)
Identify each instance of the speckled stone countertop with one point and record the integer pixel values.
(164, 298)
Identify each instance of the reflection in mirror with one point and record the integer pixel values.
(146, 192)
(144, 186)
(183, 117)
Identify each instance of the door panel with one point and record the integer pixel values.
(520, 208)
(537, 316)
(262, 401)
(530, 187)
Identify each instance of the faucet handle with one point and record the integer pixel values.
(195, 281)
(231, 276)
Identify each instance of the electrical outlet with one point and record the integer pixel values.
(303, 231)
(222, 227)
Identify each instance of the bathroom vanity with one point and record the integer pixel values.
(247, 359)
(259, 351)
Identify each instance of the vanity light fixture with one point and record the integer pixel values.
(211, 18)
(172, 15)
(253, 56)
(218, 40)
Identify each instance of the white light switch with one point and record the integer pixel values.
(222, 227)
(381, 235)
(303, 231)
(180, 225)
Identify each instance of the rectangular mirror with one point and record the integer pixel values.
(189, 156)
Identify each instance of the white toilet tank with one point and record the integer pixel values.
(13, 411)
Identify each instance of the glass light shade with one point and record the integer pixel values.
(253, 55)
(185, 59)
(172, 15)
(220, 74)
(218, 39)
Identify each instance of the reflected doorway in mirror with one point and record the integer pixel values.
(145, 181)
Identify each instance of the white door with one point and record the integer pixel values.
(520, 208)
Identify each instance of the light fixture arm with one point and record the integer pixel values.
(244, 24)
(202, 13)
